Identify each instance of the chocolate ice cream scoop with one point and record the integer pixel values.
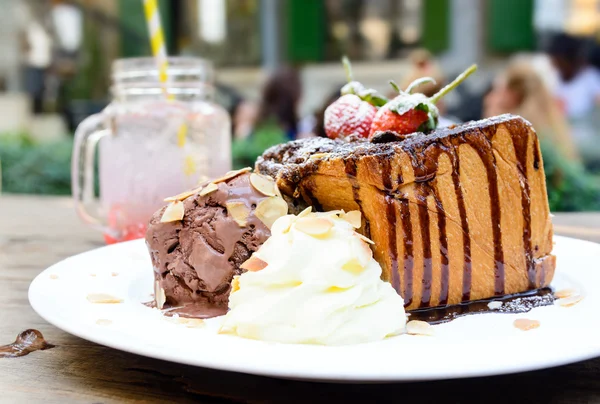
(198, 242)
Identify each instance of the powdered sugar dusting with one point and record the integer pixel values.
(349, 115)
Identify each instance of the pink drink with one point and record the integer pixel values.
(148, 147)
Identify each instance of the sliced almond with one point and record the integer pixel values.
(235, 284)
(319, 156)
(561, 294)
(114, 274)
(314, 226)
(418, 327)
(173, 213)
(270, 209)
(212, 187)
(93, 275)
(525, 324)
(53, 276)
(253, 264)
(363, 238)
(232, 174)
(103, 298)
(569, 301)
(182, 196)
(263, 184)
(203, 180)
(103, 321)
(354, 218)
(305, 212)
(159, 295)
(239, 212)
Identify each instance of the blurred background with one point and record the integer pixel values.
(277, 68)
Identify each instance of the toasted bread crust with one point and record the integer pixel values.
(456, 215)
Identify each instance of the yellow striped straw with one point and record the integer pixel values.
(159, 51)
(157, 41)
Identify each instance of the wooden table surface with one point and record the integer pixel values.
(36, 232)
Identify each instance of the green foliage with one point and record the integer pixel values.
(570, 187)
(28, 167)
(246, 151)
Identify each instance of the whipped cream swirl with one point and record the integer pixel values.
(314, 281)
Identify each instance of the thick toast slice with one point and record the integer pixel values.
(456, 215)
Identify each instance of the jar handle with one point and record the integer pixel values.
(88, 134)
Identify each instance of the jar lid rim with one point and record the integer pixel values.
(128, 68)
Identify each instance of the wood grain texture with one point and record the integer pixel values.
(36, 232)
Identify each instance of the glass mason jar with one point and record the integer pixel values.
(152, 141)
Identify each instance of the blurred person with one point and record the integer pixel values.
(243, 119)
(280, 98)
(423, 64)
(520, 90)
(37, 47)
(277, 118)
(579, 84)
(319, 128)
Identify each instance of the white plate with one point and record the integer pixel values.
(477, 345)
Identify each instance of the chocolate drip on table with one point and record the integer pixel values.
(28, 341)
(517, 303)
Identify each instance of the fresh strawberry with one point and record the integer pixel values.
(408, 112)
(388, 120)
(353, 112)
(349, 115)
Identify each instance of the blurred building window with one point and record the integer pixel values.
(225, 31)
(372, 30)
(68, 24)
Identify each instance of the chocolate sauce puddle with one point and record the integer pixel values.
(192, 310)
(28, 341)
(517, 303)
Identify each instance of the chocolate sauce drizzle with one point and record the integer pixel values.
(520, 144)
(517, 303)
(486, 154)
(427, 268)
(445, 267)
(351, 173)
(391, 218)
(464, 222)
(28, 341)
(308, 192)
(386, 177)
(424, 153)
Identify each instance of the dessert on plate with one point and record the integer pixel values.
(455, 215)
